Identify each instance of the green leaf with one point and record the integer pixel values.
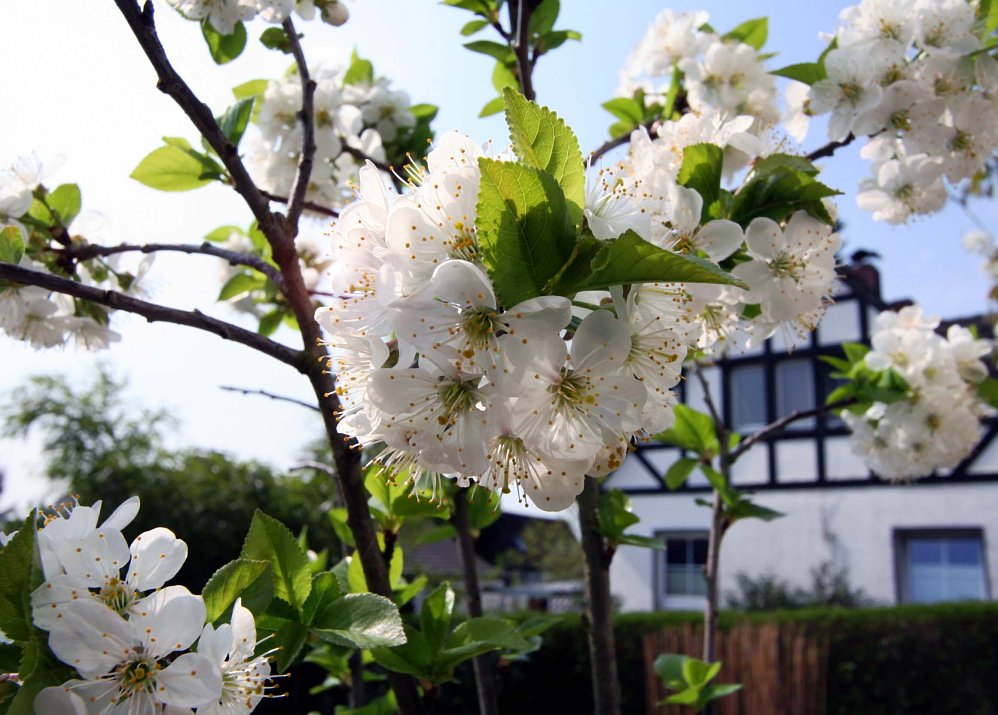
(483, 508)
(16, 560)
(486, 633)
(625, 109)
(289, 638)
(325, 590)
(669, 668)
(479, 7)
(11, 245)
(692, 430)
(503, 77)
(493, 49)
(252, 89)
(10, 658)
(553, 40)
(234, 120)
(631, 259)
(788, 161)
(544, 16)
(361, 71)
(713, 692)
(751, 32)
(410, 590)
(679, 472)
(470, 28)
(542, 140)
(38, 670)
(270, 540)
(427, 112)
(747, 509)
(435, 615)
(614, 514)
(253, 581)
(65, 202)
(275, 38)
(270, 322)
(241, 283)
(493, 106)
(384, 705)
(413, 658)
(338, 518)
(779, 191)
(987, 390)
(806, 72)
(360, 620)
(645, 542)
(524, 229)
(224, 48)
(222, 234)
(170, 168)
(701, 170)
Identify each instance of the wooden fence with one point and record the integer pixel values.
(782, 668)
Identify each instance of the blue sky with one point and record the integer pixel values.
(82, 89)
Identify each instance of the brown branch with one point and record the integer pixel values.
(271, 395)
(783, 422)
(307, 116)
(519, 22)
(709, 398)
(234, 258)
(317, 466)
(612, 144)
(360, 156)
(830, 148)
(311, 206)
(156, 313)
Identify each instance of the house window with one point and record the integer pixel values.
(941, 565)
(795, 390)
(685, 556)
(748, 398)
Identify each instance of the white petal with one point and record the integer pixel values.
(91, 637)
(123, 515)
(157, 556)
(168, 620)
(189, 681)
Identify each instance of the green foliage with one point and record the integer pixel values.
(693, 431)
(701, 170)
(360, 71)
(751, 32)
(177, 167)
(434, 649)
(542, 140)
(270, 541)
(275, 38)
(806, 72)
(547, 547)
(64, 202)
(37, 670)
(11, 245)
(614, 516)
(253, 581)
(235, 119)
(16, 566)
(829, 587)
(691, 678)
(680, 470)
(863, 386)
(224, 48)
(776, 191)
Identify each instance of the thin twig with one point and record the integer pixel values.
(156, 313)
(307, 116)
(234, 258)
(519, 21)
(310, 205)
(271, 395)
(777, 425)
(612, 144)
(317, 466)
(360, 156)
(830, 148)
(707, 396)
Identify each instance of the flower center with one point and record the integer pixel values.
(572, 391)
(117, 595)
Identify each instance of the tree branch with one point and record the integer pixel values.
(360, 156)
(310, 464)
(157, 313)
(311, 206)
(708, 397)
(307, 116)
(271, 395)
(234, 258)
(519, 22)
(778, 425)
(830, 148)
(612, 144)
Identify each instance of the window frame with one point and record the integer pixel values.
(902, 537)
(660, 574)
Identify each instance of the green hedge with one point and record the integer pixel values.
(909, 659)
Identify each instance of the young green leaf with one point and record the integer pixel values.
(701, 170)
(751, 32)
(473, 26)
(171, 168)
(252, 581)
(64, 201)
(224, 48)
(234, 120)
(778, 192)
(269, 540)
(544, 16)
(241, 283)
(275, 38)
(11, 245)
(16, 560)
(493, 49)
(493, 106)
(524, 230)
(541, 139)
(360, 620)
(692, 430)
(806, 72)
(679, 471)
(360, 71)
(435, 615)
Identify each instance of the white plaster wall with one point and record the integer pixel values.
(852, 526)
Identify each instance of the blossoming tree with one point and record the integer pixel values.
(509, 319)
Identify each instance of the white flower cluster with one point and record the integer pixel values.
(129, 637)
(363, 117)
(939, 423)
(455, 384)
(224, 14)
(902, 73)
(790, 269)
(723, 74)
(34, 315)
